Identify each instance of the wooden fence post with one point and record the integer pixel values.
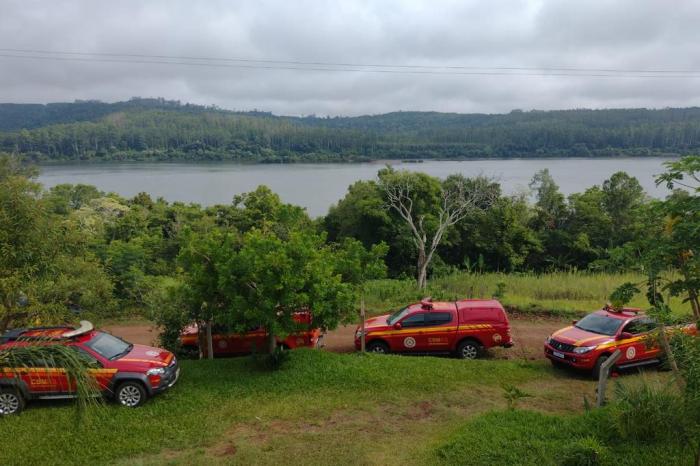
(603, 377)
(362, 317)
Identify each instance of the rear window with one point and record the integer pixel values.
(438, 318)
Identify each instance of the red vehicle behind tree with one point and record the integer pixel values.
(464, 328)
(589, 342)
(125, 372)
(226, 343)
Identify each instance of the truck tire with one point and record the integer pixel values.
(11, 401)
(377, 346)
(131, 394)
(468, 349)
(598, 364)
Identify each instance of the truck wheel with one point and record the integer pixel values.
(11, 402)
(131, 394)
(468, 349)
(378, 347)
(597, 368)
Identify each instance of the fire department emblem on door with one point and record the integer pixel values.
(409, 342)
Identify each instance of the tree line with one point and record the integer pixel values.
(155, 129)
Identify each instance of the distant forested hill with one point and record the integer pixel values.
(156, 129)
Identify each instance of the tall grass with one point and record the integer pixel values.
(559, 293)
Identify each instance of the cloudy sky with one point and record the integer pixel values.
(460, 56)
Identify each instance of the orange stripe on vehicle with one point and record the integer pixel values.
(144, 360)
(585, 340)
(32, 370)
(475, 326)
(620, 342)
(562, 330)
(414, 330)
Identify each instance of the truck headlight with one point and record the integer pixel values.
(156, 371)
(583, 349)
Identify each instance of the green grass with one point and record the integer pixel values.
(565, 294)
(320, 408)
(213, 397)
(532, 438)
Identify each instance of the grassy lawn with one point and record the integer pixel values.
(320, 408)
(561, 293)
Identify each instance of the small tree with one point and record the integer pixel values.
(430, 207)
(678, 244)
(202, 257)
(268, 279)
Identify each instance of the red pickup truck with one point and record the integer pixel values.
(227, 343)
(464, 328)
(589, 342)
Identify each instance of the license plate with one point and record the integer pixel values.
(558, 354)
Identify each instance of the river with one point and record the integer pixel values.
(316, 186)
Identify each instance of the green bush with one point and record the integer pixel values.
(587, 451)
(648, 414)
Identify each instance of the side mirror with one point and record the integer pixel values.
(624, 336)
(397, 325)
(574, 322)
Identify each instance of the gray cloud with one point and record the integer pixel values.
(624, 34)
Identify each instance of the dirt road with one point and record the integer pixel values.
(528, 333)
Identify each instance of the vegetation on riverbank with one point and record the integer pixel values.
(156, 129)
(75, 250)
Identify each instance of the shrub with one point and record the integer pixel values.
(647, 414)
(587, 451)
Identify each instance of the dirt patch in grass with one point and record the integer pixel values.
(141, 333)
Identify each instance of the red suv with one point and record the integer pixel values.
(125, 372)
(463, 328)
(590, 341)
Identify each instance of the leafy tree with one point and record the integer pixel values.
(204, 258)
(64, 198)
(678, 244)
(269, 278)
(43, 265)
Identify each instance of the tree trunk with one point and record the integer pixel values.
(422, 270)
(362, 318)
(271, 343)
(202, 339)
(694, 303)
(692, 296)
(680, 381)
(210, 342)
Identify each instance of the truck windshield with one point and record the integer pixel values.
(396, 316)
(108, 346)
(597, 323)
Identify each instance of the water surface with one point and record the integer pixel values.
(317, 186)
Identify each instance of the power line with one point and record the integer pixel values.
(242, 63)
(356, 65)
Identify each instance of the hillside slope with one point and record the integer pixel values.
(156, 129)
